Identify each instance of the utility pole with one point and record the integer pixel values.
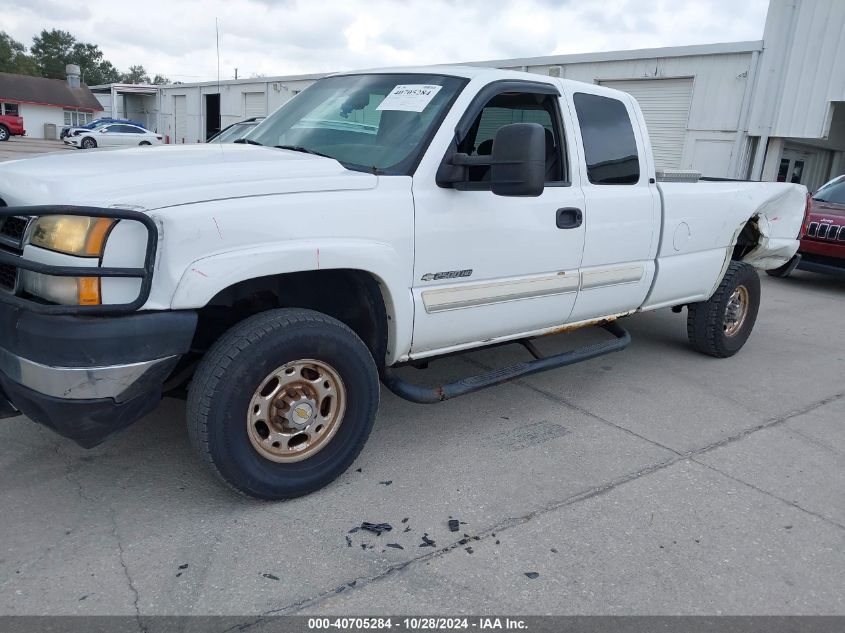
(236, 73)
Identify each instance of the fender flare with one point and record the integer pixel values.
(206, 277)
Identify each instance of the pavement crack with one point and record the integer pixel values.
(768, 424)
(116, 533)
(509, 523)
(793, 504)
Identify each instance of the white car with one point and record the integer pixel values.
(113, 135)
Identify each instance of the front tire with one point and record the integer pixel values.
(88, 143)
(142, 143)
(721, 325)
(283, 403)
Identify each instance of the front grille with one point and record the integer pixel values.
(13, 229)
(8, 277)
(827, 232)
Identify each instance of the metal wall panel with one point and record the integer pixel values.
(255, 104)
(180, 116)
(801, 71)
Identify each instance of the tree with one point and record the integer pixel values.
(52, 51)
(13, 57)
(106, 73)
(95, 69)
(136, 75)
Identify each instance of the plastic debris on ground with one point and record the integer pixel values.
(376, 528)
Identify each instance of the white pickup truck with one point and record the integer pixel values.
(377, 219)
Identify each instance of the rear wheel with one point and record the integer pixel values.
(4, 133)
(720, 326)
(283, 403)
(88, 143)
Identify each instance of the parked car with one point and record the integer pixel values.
(280, 278)
(113, 135)
(231, 133)
(69, 130)
(10, 126)
(822, 247)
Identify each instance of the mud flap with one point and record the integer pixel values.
(7, 409)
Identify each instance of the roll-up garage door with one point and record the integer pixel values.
(665, 104)
(254, 104)
(180, 115)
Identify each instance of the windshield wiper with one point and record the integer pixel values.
(299, 148)
(247, 141)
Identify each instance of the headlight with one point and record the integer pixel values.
(81, 291)
(72, 234)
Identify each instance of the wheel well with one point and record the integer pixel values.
(747, 239)
(353, 297)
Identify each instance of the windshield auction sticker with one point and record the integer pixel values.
(409, 97)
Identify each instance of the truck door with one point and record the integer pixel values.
(488, 266)
(622, 212)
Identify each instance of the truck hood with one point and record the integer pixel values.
(171, 175)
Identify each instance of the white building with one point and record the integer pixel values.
(47, 104)
(138, 102)
(769, 109)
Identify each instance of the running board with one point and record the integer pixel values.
(430, 395)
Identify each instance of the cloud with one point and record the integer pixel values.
(280, 37)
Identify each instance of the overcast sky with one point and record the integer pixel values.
(283, 37)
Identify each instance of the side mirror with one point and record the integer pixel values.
(103, 131)
(519, 160)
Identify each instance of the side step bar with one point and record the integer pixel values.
(430, 395)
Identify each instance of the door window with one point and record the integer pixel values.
(609, 142)
(508, 108)
(9, 109)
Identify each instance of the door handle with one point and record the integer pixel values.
(569, 218)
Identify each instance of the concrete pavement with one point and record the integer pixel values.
(22, 147)
(652, 481)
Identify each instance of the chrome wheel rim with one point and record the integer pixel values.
(296, 411)
(736, 311)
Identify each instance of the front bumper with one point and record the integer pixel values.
(88, 377)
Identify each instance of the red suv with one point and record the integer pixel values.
(822, 247)
(10, 126)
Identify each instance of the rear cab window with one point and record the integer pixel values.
(610, 146)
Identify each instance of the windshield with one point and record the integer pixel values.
(378, 123)
(834, 193)
(234, 131)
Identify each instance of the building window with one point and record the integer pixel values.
(77, 118)
(9, 109)
(609, 142)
